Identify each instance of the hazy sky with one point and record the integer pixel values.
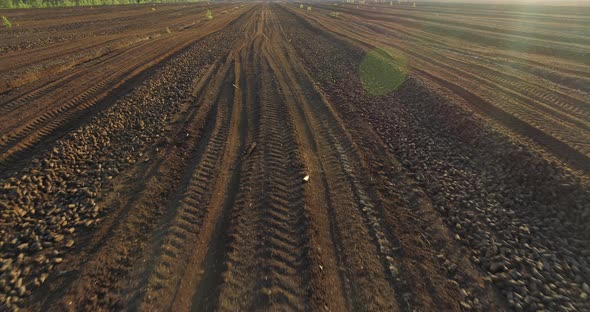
(564, 2)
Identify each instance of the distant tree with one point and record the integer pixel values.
(6, 4)
(21, 4)
(35, 3)
(51, 3)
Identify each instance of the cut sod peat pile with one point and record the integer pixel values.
(46, 206)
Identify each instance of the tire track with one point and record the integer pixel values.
(30, 58)
(24, 133)
(133, 29)
(556, 133)
(275, 208)
(46, 85)
(283, 220)
(117, 247)
(266, 259)
(191, 207)
(344, 188)
(237, 286)
(198, 202)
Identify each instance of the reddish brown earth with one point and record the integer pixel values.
(153, 159)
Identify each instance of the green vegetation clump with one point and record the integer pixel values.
(301, 6)
(6, 4)
(335, 14)
(209, 15)
(309, 8)
(6, 22)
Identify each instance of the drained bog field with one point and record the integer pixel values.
(288, 156)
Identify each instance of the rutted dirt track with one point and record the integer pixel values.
(238, 163)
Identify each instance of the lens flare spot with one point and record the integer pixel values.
(382, 71)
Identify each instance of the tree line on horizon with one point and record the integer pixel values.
(17, 4)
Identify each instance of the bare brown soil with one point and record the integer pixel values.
(153, 159)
